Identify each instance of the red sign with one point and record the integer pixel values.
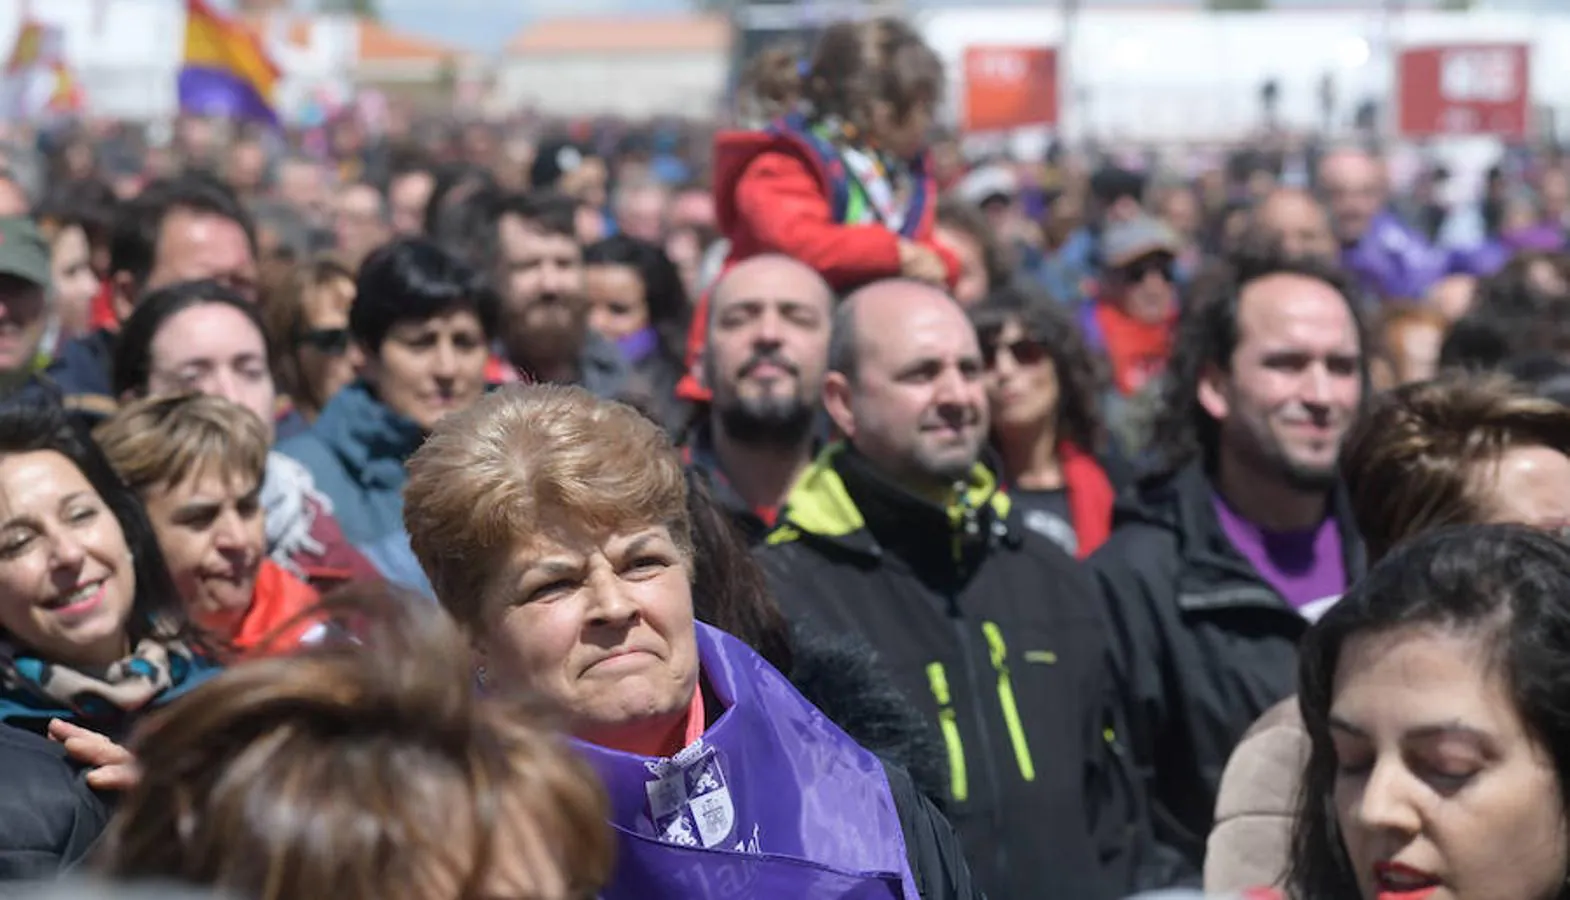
(1465, 89)
(1010, 87)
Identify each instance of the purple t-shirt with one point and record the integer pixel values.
(1303, 566)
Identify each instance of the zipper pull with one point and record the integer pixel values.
(970, 520)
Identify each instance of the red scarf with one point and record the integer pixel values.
(1137, 350)
(1090, 497)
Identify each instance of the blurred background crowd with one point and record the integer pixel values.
(786, 450)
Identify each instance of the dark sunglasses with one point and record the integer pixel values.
(1135, 272)
(1025, 351)
(331, 341)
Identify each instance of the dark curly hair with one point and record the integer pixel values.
(1207, 335)
(1507, 585)
(1080, 377)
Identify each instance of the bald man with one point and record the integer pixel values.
(1296, 219)
(1387, 258)
(899, 535)
(766, 350)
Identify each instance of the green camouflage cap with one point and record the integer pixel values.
(23, 251)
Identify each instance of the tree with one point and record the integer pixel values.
(1456, 5)
(1237, 5)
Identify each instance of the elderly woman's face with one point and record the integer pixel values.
(66, 578)
(601, 625)
(1440, 790)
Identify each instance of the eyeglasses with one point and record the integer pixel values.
(331, 341)
(1139, 269)
(1025, 352)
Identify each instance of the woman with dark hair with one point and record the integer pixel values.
(201, 337)
(1043, 388)
(92, 631)
(1439, 727)
(421, 323)
(637, 301)
(76, 218)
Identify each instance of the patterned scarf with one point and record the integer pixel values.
(886, 183)
(35, 688)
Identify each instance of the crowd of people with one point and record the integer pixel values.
(817, 514)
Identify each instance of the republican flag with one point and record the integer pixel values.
(226, 71)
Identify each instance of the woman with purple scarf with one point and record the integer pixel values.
(555, 529)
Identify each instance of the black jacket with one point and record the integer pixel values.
(840, 675)
(1205, 646)
(994, 634)
(936, 862)
(49, 818)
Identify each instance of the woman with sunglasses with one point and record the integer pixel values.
(306, 311)
(202, 337)
(1042, 386)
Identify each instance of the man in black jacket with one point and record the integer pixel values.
(768, 344)
(1216, 566)
(900, 536)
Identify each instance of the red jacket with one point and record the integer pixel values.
(276, 601)
(774, 193)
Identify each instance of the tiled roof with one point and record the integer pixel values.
(623, 34)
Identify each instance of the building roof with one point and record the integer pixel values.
(623, 34)
(374, 42)
(381, 44)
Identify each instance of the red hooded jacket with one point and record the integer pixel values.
(775, 192)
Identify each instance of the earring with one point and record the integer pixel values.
(479, 674)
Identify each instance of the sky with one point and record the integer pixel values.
(487, 24)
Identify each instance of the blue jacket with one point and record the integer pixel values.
(394, 558)
(355, 451)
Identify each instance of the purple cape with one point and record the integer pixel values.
(1394, 261)
(774, 800)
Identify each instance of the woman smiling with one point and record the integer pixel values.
(91, 630)
(555, 529)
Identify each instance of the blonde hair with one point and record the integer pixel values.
(526, 458)
(159, 442)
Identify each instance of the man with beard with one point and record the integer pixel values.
(901, 537)
(1217, 564)
(538, 270)
(768, 344)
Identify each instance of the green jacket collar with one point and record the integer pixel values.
(821, 505)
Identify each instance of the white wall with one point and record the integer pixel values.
(631, 84)
(1156, 75)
